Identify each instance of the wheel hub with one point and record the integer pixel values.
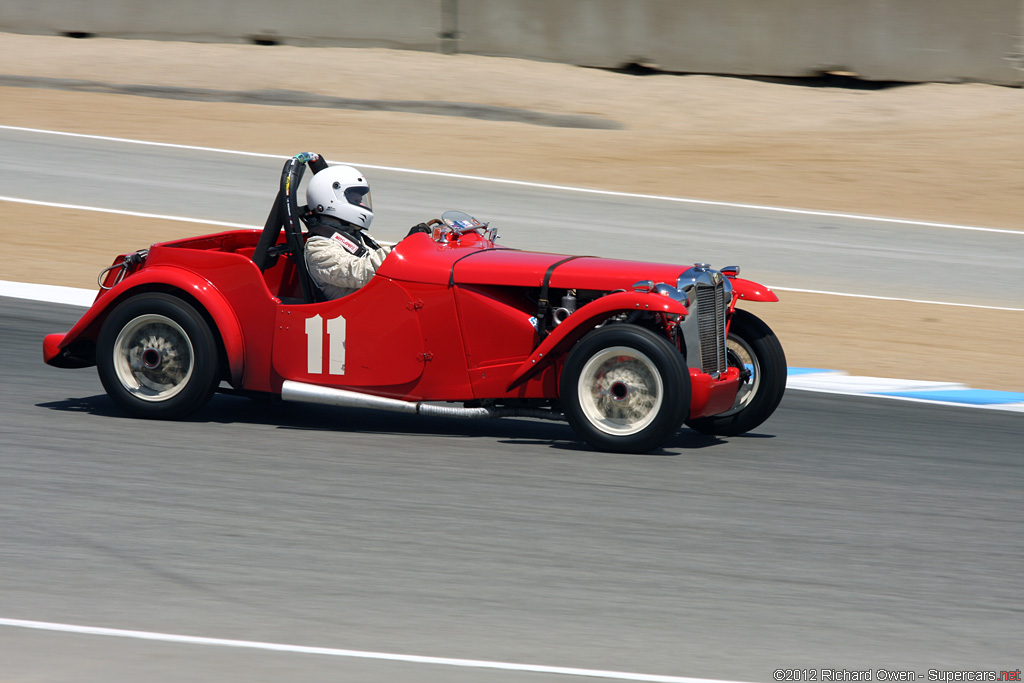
(620, 391)
(151, 359)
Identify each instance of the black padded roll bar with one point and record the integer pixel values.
(284, 215)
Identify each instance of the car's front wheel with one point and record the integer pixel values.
(157, 357)
(625, 389)
(755, 350)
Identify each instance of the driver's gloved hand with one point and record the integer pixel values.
(421, 227)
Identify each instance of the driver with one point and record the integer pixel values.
(340, 256)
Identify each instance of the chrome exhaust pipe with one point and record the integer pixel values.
(312, 393)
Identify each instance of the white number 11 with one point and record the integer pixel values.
(335, 345)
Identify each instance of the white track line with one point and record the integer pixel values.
(119, 212)
(141, 142)
(893, 298)
(545, 186)
(300, 649)
(10, 286)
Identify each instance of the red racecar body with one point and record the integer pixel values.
(447, 318)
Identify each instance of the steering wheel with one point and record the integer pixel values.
(455, 224)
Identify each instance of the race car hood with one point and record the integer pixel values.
(566, 272)
(419, 259)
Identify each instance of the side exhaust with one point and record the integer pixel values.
(311, 393)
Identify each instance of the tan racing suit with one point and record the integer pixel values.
(344, 262)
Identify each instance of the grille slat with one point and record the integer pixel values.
(711, 306)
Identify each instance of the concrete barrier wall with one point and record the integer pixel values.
(900, 40)
(407, 24)
(903, 40)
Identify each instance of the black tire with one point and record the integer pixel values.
(753, 347)
(157, 357)
(625, 389)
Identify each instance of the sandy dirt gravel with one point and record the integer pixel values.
(948, 153)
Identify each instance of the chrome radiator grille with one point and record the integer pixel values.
(711, 306)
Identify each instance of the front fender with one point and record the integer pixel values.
(584, 320)
(748, 290)
(163, 276)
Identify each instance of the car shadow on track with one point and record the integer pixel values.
(224, 409)
(99, 405)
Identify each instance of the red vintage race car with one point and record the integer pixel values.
(450, 325)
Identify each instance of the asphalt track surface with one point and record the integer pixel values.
(846, 533)
(815, 252)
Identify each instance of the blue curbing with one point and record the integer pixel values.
(949, 393)
(807, 371)
(975, 397)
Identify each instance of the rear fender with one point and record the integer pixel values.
(162, 278)
(583, 320)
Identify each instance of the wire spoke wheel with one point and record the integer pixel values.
(740, 355)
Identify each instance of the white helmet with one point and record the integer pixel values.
(341, 192)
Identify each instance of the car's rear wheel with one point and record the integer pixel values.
(625, 389)
(157, 357)
(755, 350)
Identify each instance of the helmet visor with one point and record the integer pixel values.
(359, 196)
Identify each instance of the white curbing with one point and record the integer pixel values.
(53, 294)
(831, 380)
